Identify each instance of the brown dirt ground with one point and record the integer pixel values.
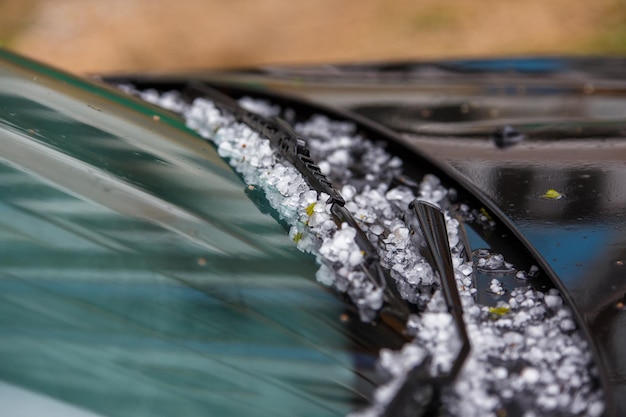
(137, 35)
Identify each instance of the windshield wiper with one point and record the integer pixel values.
(433, 225)
(419, 392)
(293, 148)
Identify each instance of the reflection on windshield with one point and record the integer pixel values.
(148, 313)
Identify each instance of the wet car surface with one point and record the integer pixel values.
(572, 115)
(579, 237)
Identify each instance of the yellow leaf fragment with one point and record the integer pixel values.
(310, 208)
(499, 311)
(484, 212)
(552, 194)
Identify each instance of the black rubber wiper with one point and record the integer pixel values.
(419, 393)
(293, 148)
(433, 224)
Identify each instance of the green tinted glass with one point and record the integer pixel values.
(137, 277)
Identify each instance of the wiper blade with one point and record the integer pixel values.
(293, 148)
(419, 393)
(433, 225)
(281, 135)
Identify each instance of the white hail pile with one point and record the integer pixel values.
(526, 351)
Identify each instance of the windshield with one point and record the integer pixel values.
(138, 278)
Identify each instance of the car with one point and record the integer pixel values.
(279, 269)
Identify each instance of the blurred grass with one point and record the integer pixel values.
(138, 35)
(610, 38)
(14, 18)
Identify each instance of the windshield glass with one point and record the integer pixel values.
(138, 278)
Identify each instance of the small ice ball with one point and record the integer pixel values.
(553, 301)
(325, 275)
(567, 325)
(530, 375)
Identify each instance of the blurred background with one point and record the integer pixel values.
(95, 36)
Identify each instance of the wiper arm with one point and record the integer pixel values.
(293, 148)
(419, 394)
(433, 225)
